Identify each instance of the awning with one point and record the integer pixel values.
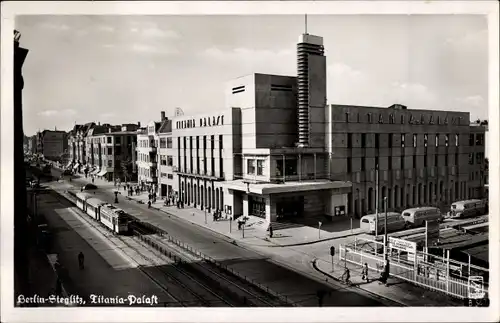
(76, 166)
(69, 164)
(102, 173)
(95, 171)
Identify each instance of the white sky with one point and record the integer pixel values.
(120, 69)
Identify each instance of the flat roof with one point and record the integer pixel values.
(287, 187)
(480, 252)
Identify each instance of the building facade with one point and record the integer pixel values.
(52, 144)
(147, 153)
(424, 157)
(112, 150)
(166, 160)
(33, 144)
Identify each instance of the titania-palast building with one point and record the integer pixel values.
(278, 151)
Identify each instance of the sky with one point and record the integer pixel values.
(125, 69)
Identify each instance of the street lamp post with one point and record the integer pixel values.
(385, 226)
(376, 201)
(319, 230)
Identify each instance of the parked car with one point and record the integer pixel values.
(89, 187)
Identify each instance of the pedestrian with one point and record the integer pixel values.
(364, 273)
(92, 179)
(270, 231)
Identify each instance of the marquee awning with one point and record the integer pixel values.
(95, 171)
(102, 173)
(76, 166)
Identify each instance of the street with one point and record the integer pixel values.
(259, 266)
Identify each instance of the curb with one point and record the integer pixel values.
(388, 300)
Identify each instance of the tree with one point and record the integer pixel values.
(127, 169)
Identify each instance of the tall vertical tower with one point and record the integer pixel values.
(311, 89)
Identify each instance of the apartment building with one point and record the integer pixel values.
(147, 153)
(77, 145)
(166, 157)
(52, 144)
(112, 152)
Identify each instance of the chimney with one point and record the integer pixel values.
(99, 123)
(139, 123)
(162, 115)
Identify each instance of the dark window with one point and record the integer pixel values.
(221, 142)
(456, 159)
(170, 176)
(414, 161)
(170, 161)
(376, 162)
(390, 140)
(118, 150)
(349, 140)
(363, 140)
(169, 142)
(109, 140)
(369, 115)
(414, 140)
(425, 160)
(403, 162)
(389, 162)
(110, 151)
(260, 167)
(377, 140)
(363, 163)
(471, 158)
(251, 166)
(291, 167)
(117, 140)
(436, 141)
(436, 160)
(163, 142)
(471, 139)
(479, 158)
(479, 140)
(349, 164)
(257, 206)
(446, 160)
(347, 117)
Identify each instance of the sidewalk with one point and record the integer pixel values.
(300, 245)
(255, 227)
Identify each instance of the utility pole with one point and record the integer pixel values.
(385, 227)
(376, 201)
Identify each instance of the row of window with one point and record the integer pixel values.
(145, 143)
(203, 155)
(166, 142)
(169, 176)
(143, 157)
(251, 169)
(146, 172)
(166, 160)
(474, 140)
(479, 160)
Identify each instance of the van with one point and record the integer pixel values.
(467, 208)
(417, 216)
(395, 222)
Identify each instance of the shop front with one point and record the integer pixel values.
(287, 202)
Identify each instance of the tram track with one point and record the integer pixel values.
(191, 281)
(232, 287)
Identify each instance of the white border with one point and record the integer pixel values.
(10, 9)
